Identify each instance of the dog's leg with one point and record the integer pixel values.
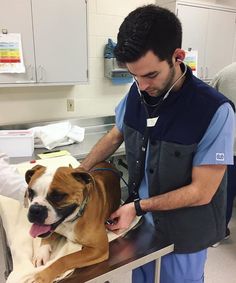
(91, 253)
(42, 255)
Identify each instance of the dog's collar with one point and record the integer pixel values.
(81, 209)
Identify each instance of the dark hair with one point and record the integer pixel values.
(147, 28)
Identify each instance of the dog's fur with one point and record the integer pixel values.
(60, 195)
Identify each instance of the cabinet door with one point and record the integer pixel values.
(15, 17)
(194, 24)
(60, 37)
(220, 41)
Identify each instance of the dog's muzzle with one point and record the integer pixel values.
(37, 215)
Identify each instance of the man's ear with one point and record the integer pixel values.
(30, 173)
(179, 55)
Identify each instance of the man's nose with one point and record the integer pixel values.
(143, 84)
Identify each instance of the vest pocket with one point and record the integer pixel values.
(174, 166)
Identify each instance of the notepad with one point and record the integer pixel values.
(55, 153)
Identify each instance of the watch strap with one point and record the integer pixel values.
(138, 209)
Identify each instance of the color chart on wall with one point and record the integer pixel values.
(191, 59)
(11, 57)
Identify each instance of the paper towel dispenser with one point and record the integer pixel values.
(113, 70)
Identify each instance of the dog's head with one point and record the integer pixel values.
(55, 196)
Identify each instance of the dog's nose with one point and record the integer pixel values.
(37, 213)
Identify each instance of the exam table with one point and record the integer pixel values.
(137, 247)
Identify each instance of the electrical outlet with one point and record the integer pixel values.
(70, 105)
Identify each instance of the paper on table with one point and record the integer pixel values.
(55, 153)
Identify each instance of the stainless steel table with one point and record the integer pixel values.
(140, 245)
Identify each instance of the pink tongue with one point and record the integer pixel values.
(37, 230)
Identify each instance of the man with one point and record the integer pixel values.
(225, 83)
(12, 184)
(178, 137)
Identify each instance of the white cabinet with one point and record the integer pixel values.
(220, 41)
(211, 30)
(54, 40)
(15, 17)
(194, 22)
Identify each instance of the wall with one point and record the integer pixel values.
(98, 97)
(219, 2)
(226, 2)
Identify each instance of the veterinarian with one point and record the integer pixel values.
(12, 184)
(224, 81)
(178, 134)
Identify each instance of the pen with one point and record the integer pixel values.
(51, 151)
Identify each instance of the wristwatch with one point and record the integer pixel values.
(138, 209)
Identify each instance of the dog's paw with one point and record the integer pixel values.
(37, 278)
(42, 256)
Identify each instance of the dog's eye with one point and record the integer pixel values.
(31, 194)
(56, 196)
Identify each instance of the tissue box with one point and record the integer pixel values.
(17, 143)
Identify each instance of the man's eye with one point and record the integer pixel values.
(152, 76)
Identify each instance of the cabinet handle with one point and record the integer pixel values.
(201, 73)
(27, 70)
(31, 70)
(206, 72)
(29, 74)
(40, 73)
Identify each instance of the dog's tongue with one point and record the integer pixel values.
(37, 230)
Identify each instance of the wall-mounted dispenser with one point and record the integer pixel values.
(117, 74)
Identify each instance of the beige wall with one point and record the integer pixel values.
(226, 2)
(99, 97)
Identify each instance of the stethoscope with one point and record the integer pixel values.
(152, 121)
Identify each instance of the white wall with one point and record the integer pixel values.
(99, 97)
(226, 2)
(219, 2)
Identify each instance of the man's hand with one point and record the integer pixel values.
(122, 218)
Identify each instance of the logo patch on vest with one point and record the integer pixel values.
(220, 156)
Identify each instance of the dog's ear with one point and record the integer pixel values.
(30, 173)
(83, 176)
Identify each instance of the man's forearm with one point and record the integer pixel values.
(205, 182)
(104, 148)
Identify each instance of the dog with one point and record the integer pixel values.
(74, 203)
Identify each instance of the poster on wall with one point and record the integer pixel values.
(191, 60)
(11, 57)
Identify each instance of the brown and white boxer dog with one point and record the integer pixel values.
(74, 203)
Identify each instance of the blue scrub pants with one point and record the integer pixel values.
(175, 268)
(231, 190)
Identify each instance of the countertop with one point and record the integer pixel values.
(95, 129)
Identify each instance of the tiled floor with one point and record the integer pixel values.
(221, 263)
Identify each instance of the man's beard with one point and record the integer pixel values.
(168, 84)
